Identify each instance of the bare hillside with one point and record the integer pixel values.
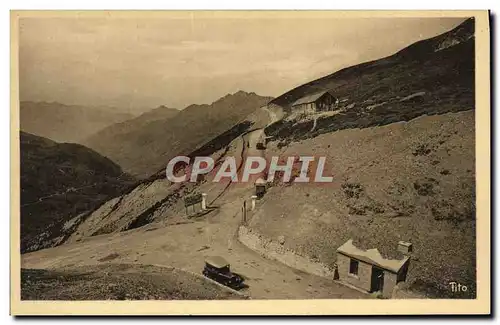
(124, 131)
(400, 147)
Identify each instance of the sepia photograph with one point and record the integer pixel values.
(250, 162)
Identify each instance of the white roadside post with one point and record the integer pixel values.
(254, 198)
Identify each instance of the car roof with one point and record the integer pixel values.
(216, 261)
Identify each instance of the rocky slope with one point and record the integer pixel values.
(60, 181)
(125, 131)
(67, 123)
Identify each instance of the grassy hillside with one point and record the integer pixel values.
(67, 123)
(58, 182)
(126, 130)
(146, 150)
(432, 76)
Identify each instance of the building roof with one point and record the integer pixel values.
(216, 261)
(310, 98)
(372, 256)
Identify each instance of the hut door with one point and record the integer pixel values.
(377, 279)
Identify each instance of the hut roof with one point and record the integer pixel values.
(310, 98)
(372, 256)
(216, 261)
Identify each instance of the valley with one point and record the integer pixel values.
(159, 244)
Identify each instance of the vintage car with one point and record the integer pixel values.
(217, 269)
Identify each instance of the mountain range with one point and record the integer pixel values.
(58, 182)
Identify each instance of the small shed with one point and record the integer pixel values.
(369, 270)
(320, 101)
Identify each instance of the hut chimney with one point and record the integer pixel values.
(204, 201)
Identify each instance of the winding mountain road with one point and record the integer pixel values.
(186, 244)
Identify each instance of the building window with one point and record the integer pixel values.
(353, 267)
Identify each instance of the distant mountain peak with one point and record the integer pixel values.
(449, 48)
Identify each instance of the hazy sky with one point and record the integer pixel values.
(144, 63)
